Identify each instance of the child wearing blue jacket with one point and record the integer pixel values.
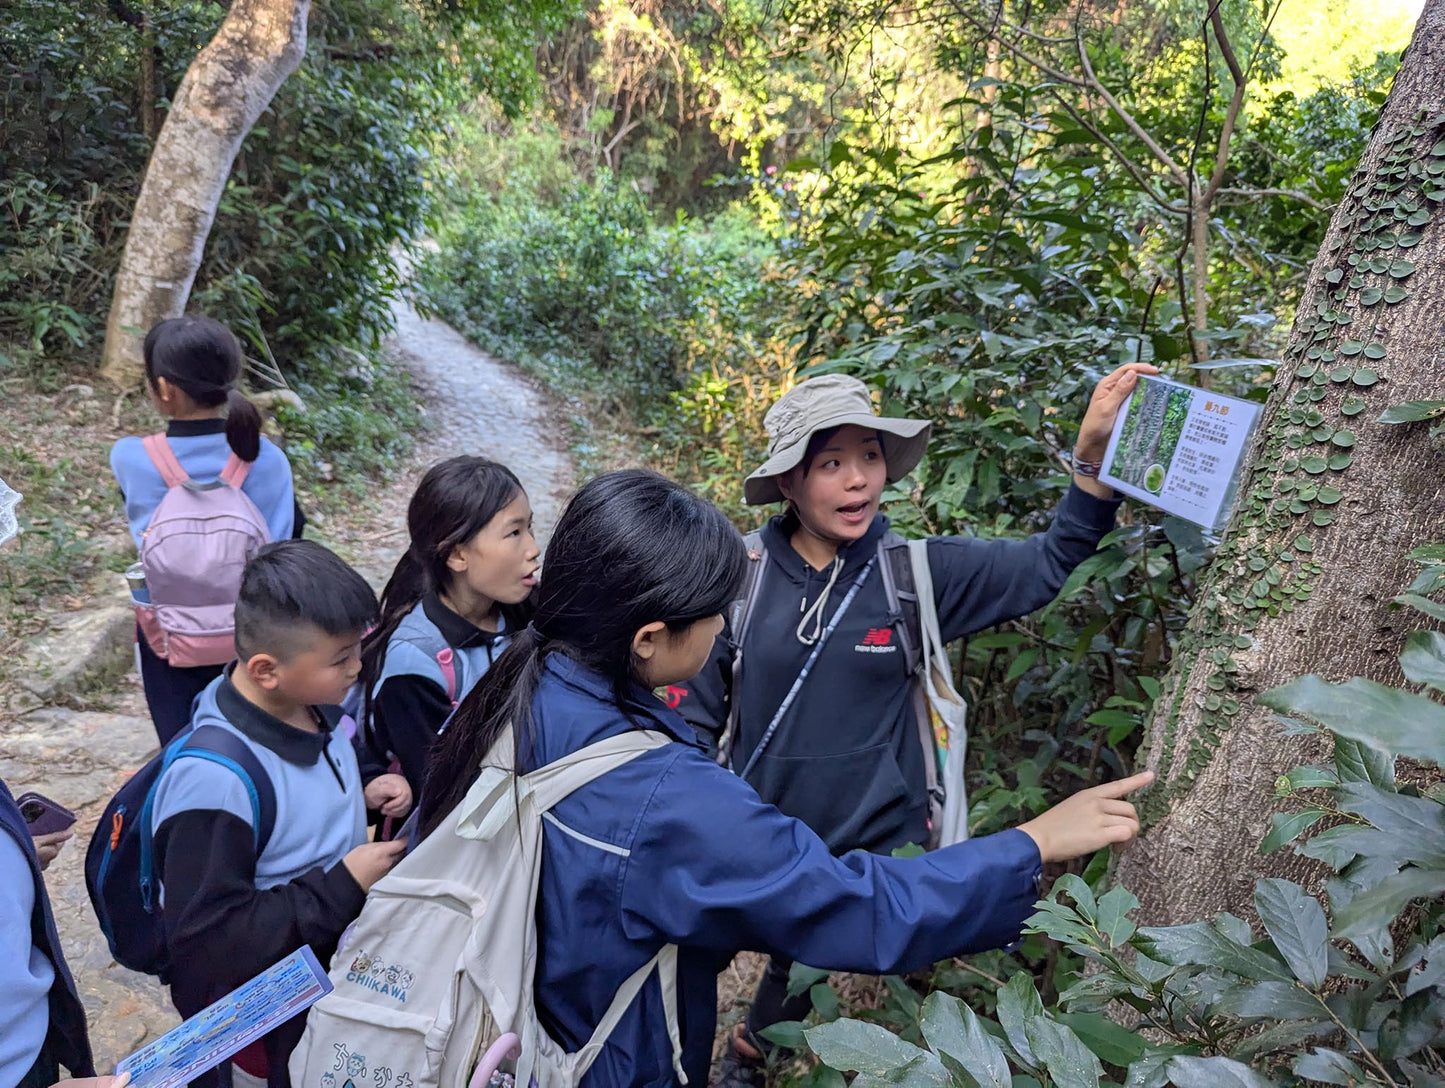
(673, 849)
(42, 1022)
(192, 365)
(456, 598)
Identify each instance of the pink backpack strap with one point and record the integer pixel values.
(447, 660)
(236, 471)
(164, 458)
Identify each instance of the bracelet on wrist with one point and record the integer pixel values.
(1090, 469)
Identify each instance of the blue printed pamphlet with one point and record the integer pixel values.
(237, 1020)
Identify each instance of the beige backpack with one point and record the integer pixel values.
(434, 981)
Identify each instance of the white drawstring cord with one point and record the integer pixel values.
(815, 613)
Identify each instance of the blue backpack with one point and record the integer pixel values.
(120, 861)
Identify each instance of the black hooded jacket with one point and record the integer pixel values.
(846, 759)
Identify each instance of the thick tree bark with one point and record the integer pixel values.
(224, 91)
(1333, 501)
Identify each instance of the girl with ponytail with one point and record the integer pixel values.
(192, 367)
(455, 600)
(670, 848)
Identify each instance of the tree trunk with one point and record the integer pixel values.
(224, 91)
(1303, 579)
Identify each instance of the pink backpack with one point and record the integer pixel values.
(199, 540)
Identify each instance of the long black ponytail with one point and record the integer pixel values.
(453, 503)
(202, 358)
(632, 548)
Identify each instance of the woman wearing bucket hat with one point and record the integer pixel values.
(821, 721)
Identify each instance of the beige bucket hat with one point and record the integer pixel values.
(831, 400)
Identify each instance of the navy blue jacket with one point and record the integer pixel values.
(846, 759)
(671, 848)
(66, 1041)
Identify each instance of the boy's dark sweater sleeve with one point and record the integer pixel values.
(220, 930)
(703, 700)
(978, 583)
(409, 710)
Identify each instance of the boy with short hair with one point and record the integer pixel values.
(228, 913)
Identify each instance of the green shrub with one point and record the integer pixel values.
(1344, 987)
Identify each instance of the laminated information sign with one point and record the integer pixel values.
(1180, 448)
(232, 1023)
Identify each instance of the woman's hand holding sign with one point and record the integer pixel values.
(1104, 404)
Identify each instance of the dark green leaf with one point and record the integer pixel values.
(1424, 659)
(1285, 827)
(1417, 823)
(1328, 1067)
(1149, 1071)
(1112, 1043)
(825, 1001)
(1272, 1000)
(951, 1028)
(1434, 609)
(1018, 1002)
(1377, 907)
(788, 1033)
(1296, 924)
(1360, 761)
(1202, 943)
(1069, 1062)
(1214, 1073)
(1112, 922)
(1413, 411)
(858, 1045)
(802, 978)
(1388, 718)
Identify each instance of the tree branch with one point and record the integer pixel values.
(1134, 170)
(1236, 102)
(1124, 115)
(1293, 194)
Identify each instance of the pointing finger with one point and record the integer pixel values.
(1125, 786)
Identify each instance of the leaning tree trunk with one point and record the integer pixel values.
(1303, 579)
(224, 91)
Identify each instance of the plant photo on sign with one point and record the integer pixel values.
(1153, 421)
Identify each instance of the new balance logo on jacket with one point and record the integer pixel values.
(878, 640)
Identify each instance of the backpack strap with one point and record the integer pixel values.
(219, 746)
(158, 449)
(496, 797)
(447, 662)
(742, 616)
(224, 747)
(665, 964)
(901, 589)
(236, 471)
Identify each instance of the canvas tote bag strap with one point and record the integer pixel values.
(665, 964)
(930, 650)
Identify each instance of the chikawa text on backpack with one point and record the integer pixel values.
(120, 861)
(434, 981)
(198, 541)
